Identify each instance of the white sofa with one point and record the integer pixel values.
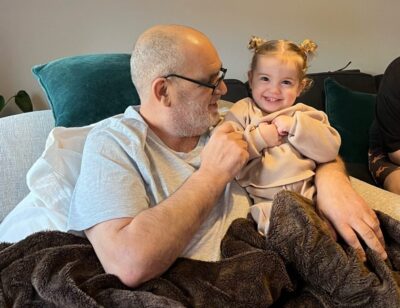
(22, 141)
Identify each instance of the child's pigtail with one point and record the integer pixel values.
(255, 43)
(308, 47)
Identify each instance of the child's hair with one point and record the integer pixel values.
(284, 47)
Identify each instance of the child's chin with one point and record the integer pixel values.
(272, 109)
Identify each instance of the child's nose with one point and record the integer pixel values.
(275, 88)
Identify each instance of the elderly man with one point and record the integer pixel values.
(155, 186)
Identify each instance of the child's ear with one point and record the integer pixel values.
(160, 91)
(302, 86)
(250, 78)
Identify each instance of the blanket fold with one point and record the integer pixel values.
(332, 272)
(298, 265)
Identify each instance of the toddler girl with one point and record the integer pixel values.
(286, 140)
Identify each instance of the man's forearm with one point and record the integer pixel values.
(148, 244)
(327, 173)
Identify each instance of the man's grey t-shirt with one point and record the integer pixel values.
(126, 169)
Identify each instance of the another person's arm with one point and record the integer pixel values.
(387, 112)
(395, 157)
(344, 208)
(140, 248)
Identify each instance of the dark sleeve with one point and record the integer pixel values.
(388, 107)
(375, 139)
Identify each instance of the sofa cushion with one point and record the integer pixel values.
(22, 140)
(85, 89)
(236, 90)
(351, 113)
(351, 79)
(51, 181)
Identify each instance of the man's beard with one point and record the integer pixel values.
(192, 119)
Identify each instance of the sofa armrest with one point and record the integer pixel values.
(377, 198)
(22, 141)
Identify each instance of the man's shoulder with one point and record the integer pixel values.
(126, 121)
(126, 128)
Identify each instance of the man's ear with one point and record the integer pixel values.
(160, 91)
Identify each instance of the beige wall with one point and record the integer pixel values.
(365, 32)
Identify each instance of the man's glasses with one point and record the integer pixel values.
(213, 86)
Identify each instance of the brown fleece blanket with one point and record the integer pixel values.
(299, 265)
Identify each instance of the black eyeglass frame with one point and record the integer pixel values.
(201, 83)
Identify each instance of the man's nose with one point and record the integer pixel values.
(222, 88)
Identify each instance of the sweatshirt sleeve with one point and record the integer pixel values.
(241, 115)
(255, 141)
(313, 136)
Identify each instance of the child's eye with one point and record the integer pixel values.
(264, 78)
(287, 82)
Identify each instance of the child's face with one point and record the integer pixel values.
(275, 82)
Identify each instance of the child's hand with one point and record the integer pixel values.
(270, 134)
(283, 124)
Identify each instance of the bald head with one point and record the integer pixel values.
(162, 50)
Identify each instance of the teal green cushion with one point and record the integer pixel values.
(85, 89)
(351, 113)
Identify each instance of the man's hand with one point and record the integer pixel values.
(349, 214)
(283, 124)
(270, 134)
(225, 153)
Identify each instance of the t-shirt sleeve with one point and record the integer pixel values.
(109, 185)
